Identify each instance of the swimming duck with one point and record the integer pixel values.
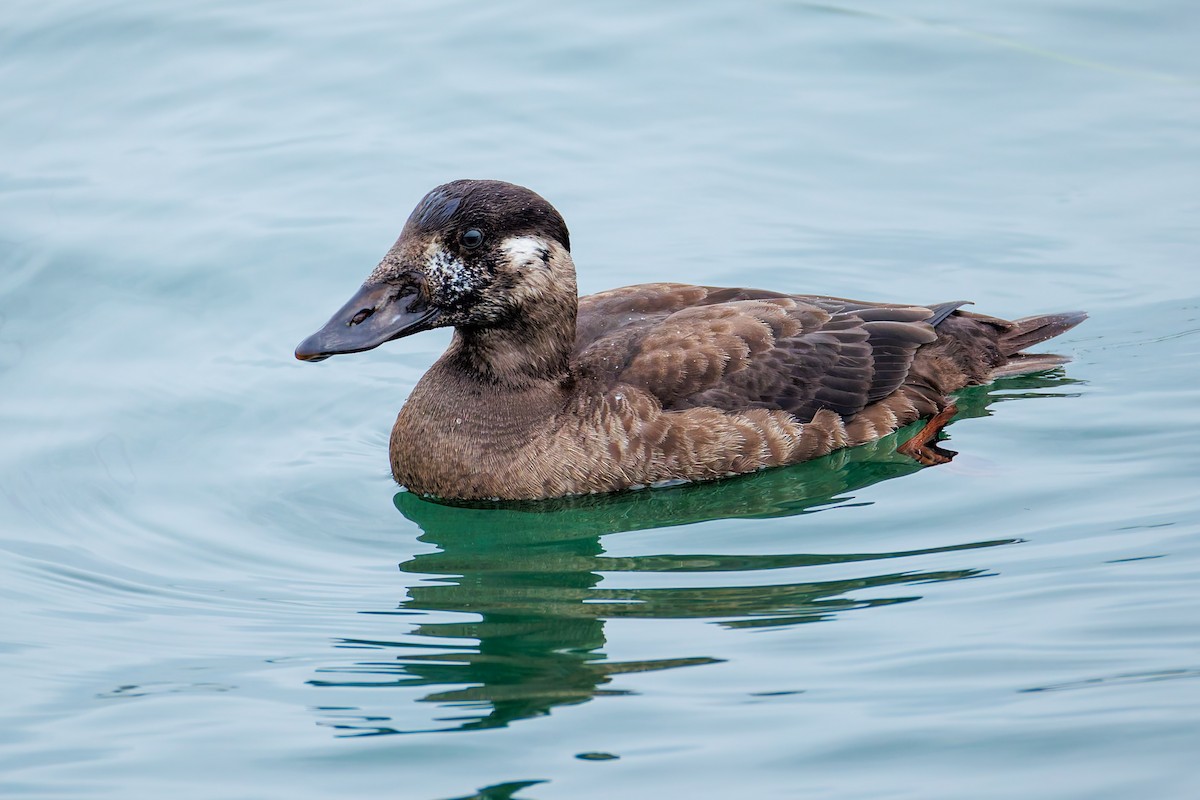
(543, 393)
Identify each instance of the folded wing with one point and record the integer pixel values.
(736, 349)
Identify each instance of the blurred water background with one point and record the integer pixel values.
(212, 589)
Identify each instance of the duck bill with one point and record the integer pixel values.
(377, 313)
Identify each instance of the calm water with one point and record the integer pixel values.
(212, 589)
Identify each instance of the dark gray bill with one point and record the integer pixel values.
(377, 313)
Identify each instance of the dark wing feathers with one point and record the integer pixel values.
(943, 310)
(735, 349)
(893, 345)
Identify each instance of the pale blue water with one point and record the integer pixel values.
(200, 538)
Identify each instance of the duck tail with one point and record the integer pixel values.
(1028, 331)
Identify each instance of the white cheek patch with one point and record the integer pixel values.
(526, 251)
(541, 268)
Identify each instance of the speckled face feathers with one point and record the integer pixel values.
(543, 394)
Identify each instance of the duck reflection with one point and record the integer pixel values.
(531, 573)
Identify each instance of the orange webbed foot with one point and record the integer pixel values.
(923, 447)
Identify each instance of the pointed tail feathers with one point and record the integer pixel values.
(1028, 331)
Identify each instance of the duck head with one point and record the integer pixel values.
(476, 255)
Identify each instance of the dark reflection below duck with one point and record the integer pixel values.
(530, 571)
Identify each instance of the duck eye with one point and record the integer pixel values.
(471, 238)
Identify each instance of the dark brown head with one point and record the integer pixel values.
(473, 254)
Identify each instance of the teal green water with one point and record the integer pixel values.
(212, 589)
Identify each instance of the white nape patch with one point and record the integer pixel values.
(526, 251)
(446, 271)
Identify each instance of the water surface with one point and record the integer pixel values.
(213, 589)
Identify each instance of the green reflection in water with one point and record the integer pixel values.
(501, 791)
(530, 573)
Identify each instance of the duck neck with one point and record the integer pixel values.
(532, 349)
